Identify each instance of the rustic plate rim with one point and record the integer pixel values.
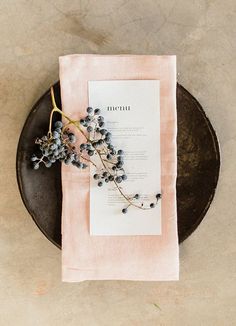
(18, 172)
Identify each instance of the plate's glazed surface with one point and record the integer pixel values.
(198, 167)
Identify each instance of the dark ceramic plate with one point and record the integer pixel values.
(198, 167)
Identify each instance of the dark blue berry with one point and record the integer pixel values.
(107, 140)
(77, 164)
(36, 165)
(119, 165)
(60, 149)
(55, 134)
(110, 146)
(88, 146)
(68, 161)
(48, 164)
(118, 179)
(90, 152)
(120, 152)
(34, 158)
(103, 131)
(71, 137)
(83, 146)
(96, 176)
(88, 118)
(58, 124)
(89, 109)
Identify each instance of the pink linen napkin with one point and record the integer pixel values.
(149, 258)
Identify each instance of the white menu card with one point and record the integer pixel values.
(131, 109)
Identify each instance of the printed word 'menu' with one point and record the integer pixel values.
(119, 108)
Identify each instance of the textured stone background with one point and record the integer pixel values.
(33, 34)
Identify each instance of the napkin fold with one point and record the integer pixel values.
(147, 258)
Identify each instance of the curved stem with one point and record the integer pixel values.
(86, 159)
(108, 161)
(53, 97)
(128, 200)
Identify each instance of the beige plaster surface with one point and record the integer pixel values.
(33, 33)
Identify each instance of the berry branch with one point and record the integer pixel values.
(58, 146)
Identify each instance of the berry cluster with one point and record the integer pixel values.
(99, 144)
(59, 145)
